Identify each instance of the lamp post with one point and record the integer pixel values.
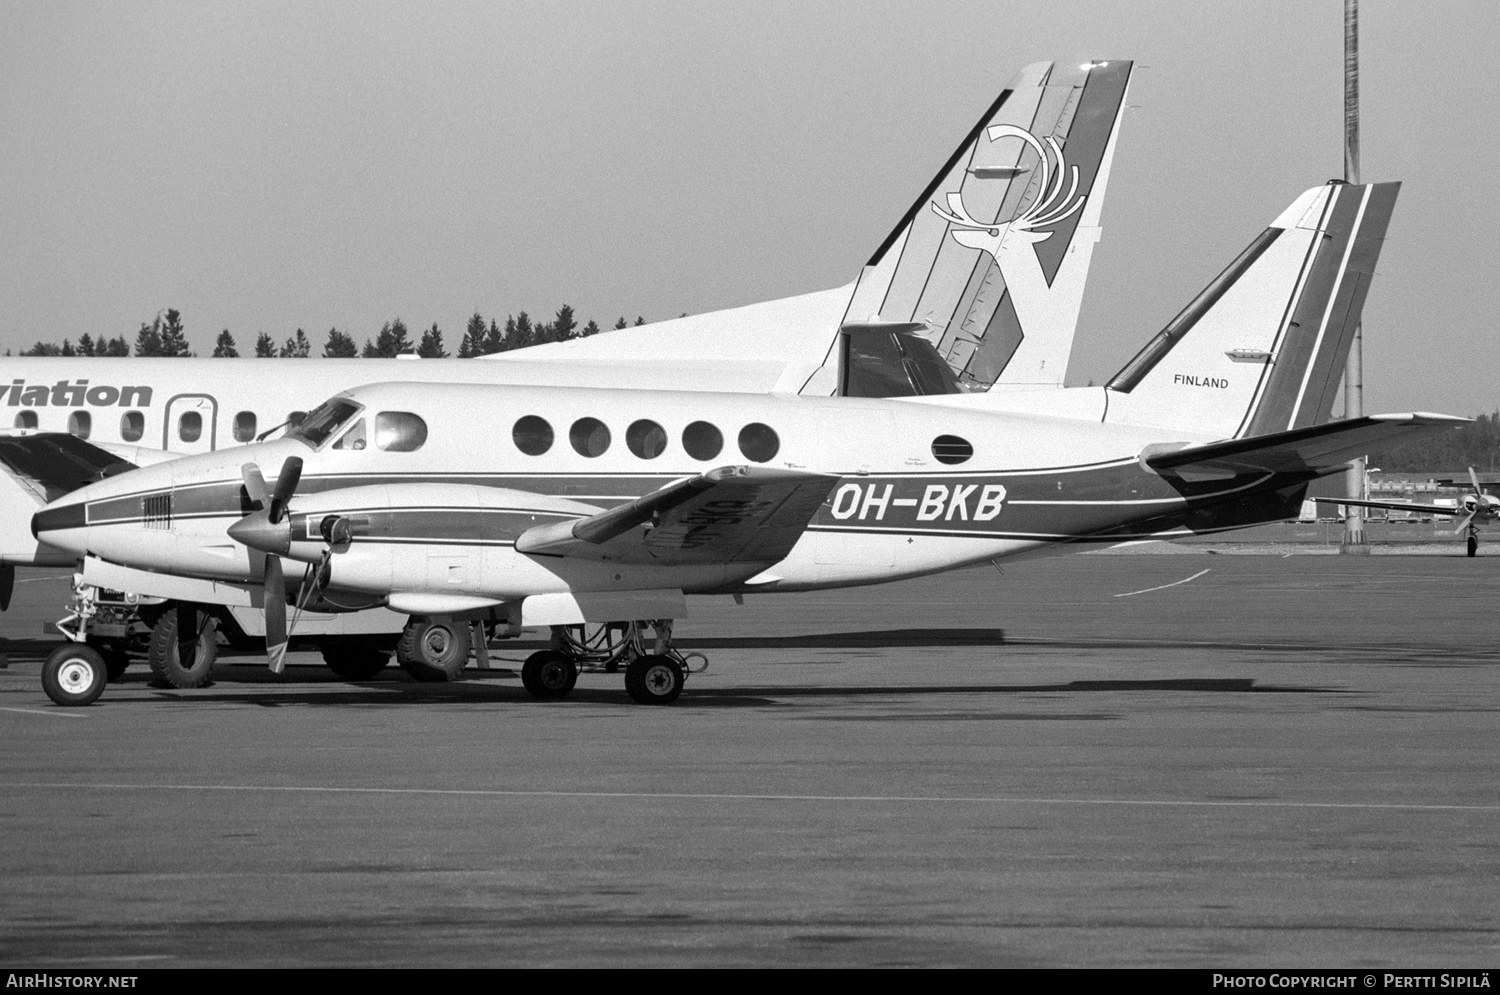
(1354, 385)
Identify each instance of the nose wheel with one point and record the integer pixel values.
(74, 674)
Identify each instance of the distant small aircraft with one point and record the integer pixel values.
(1480, 506)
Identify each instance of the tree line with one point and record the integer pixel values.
(164, 336)
(1476, 444)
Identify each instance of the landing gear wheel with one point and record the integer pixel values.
(654, 680)
(1473, 546)
(200, 648)
(549, 674)
(434, 650)
(74, 674)
(355, 659)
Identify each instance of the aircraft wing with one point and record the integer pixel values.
(1431, 509)
(1317, 449)
(51, 464)
(734, 514)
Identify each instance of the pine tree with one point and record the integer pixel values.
(473, 343)
(173, 338)
(339, 346)
(42, 349)
(494, 340)
(431, 346)
(265, 346)
(592, 328)
(148, 339)
(622, 323)
(639, 320)
(224, 346)
(85, 344)
(390, 343)
(67, 349)
(296, 346)
(564, 326)
(116, 346)
(524, 334)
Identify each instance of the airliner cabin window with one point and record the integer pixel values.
(294, 418)
(702, 440)
(354, 438)
(26, 419)
(80, 423)
(646, 439)
(532, 435)
(759, 442)
(322, 423)
(132, 426)
(244, 426)
(590, 437)
(190, 426)
(399, 431)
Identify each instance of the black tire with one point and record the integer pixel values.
(1473, 546)
(74, 675)
(548, 674)
(434, 650)
(654, 680)
(355, 659)
(116, 659)
(165, 655)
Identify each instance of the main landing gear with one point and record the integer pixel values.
(654, 671)
(1473, 541)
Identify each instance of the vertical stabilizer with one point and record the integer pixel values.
(1261, 348)
(992, 258)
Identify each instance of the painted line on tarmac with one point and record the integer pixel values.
(1163, 587)
(37, 711)
(751, 797)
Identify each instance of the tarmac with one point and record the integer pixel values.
(1232, 756)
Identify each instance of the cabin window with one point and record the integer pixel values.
(646, 439)
(951, 449)
(590, 437)
(294, 418)
(26, 419)
(132, 426)
(399, 431)
(244, 426)
(354, 438)
(702, 440)
(759, 442)
(532, 435)
(190, 426)
(80, 423)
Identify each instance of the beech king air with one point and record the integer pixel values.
(599, 505)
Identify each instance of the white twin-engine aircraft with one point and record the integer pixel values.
(536, 505)
(1477, 507)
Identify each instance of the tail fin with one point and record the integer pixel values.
(993, 256)
(1262, 348)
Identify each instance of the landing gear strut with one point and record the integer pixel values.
(1473, 541)
(654, 671)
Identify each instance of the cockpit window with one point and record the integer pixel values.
(399, 431)
(354, 438)
(324, 421)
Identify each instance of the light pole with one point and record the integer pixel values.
(1354, 380)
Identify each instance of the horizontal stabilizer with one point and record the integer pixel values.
(731, 514)
(1316, 450)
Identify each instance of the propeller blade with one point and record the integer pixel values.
(286, 485)
(275, 587)
(255, 484)
(1474, 479)
(1466, 522)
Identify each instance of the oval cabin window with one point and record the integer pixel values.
(132, 426)
(590, 437)
(244, 426)
(399, 431)
(646, 439)
(702, 441)
(950, 449)
(759, 442)
(80, 423)
(190, 426)
(532, 435)
(26, 419)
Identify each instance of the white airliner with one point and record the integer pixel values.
(928, 314)
(1480, 506)
(599, 505)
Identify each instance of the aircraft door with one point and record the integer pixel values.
(191, 424)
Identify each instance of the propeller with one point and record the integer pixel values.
(268, 531)
(1481, 502)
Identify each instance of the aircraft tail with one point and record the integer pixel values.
(980, 283)
(1262, 348)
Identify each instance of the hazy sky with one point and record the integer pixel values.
(267, 166)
